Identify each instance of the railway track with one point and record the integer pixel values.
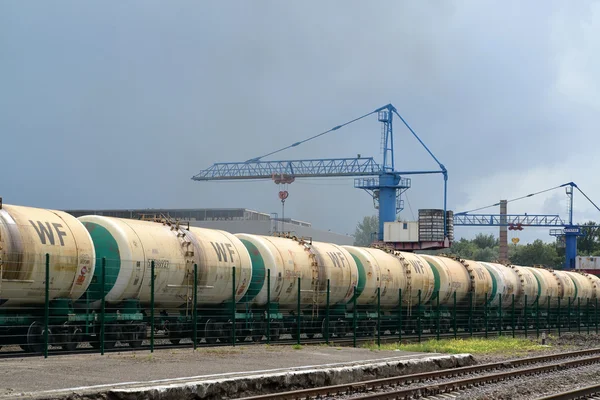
(386, 388)
(588, 392)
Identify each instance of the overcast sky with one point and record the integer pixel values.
(119, 104)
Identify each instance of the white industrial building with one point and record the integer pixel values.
(233, 220)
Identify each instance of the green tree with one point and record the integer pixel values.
(464, 248)
(589, 243)
(366, 231)
(483, 241)
(537, 252)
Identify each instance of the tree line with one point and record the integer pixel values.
(485, 247)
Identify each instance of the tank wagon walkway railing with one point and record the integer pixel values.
(95, 324)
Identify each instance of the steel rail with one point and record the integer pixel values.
(446, 387)
(581, 393)
(439, 374)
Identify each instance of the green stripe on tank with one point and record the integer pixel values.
(362, 277)
(576, 289)
(436, 281)
(105, 246)
(494, 283)
(259, 273)
(539, 285)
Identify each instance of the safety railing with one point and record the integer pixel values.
(49, 304)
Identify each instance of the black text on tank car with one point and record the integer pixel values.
(46, 231)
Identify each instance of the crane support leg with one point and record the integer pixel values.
(570, 248)
(387, 200)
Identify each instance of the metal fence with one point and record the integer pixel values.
(43, 310)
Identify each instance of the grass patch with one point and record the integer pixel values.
(297, 347)
(501, 345)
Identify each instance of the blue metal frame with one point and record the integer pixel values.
(498, 220)
(387, 188)
(327, 167)
(569, 230)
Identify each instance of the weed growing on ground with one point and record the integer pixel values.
(500, 345)
(297, 347)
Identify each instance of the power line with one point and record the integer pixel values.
(520, 198)
(335, 128)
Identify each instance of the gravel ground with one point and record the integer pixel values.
(531, 387)
(528, 387)
(491, 390)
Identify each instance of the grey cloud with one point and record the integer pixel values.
(119, 105)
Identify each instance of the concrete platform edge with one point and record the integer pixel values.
(254, 384)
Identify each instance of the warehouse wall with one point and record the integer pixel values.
(266, 228)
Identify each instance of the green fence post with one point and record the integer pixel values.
(47, 306)
(500, 311)
(419, 316)
(525, 316)
(103, 305)
(512, 324)
(471, 313)
(379, 317)
(233, 322)
(454, 313)
(327, 312)
(548, 314)
(559, 316)
(537, 316)
(596, 315)
(399, 315)
(298, 316)
(268, 306)
(485, 313)
(151, 306)
(195, 309)
(578, 314)
(438, 315)
(569, 314)
(354, 318)
(587, 314)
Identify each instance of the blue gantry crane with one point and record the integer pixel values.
(568, 229)
(380, 180)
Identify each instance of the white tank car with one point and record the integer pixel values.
(130, 246)
(378, 269)
(27, 234)
(549, 285)
(452, 277)
(289, 259)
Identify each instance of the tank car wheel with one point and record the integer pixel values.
(210, 331)
(111, 336)
(136, 333)
(73, 337)
(35, 338)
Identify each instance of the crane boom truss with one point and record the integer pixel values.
(506, 220)
(328, 167)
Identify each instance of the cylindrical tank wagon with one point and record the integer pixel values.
(245, 285)
(291, 275)
(27, 235)
(126, 249)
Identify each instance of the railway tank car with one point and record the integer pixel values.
(225, 287)
(27, 234)
(125, 250)
(388, 282)
(280, 264)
